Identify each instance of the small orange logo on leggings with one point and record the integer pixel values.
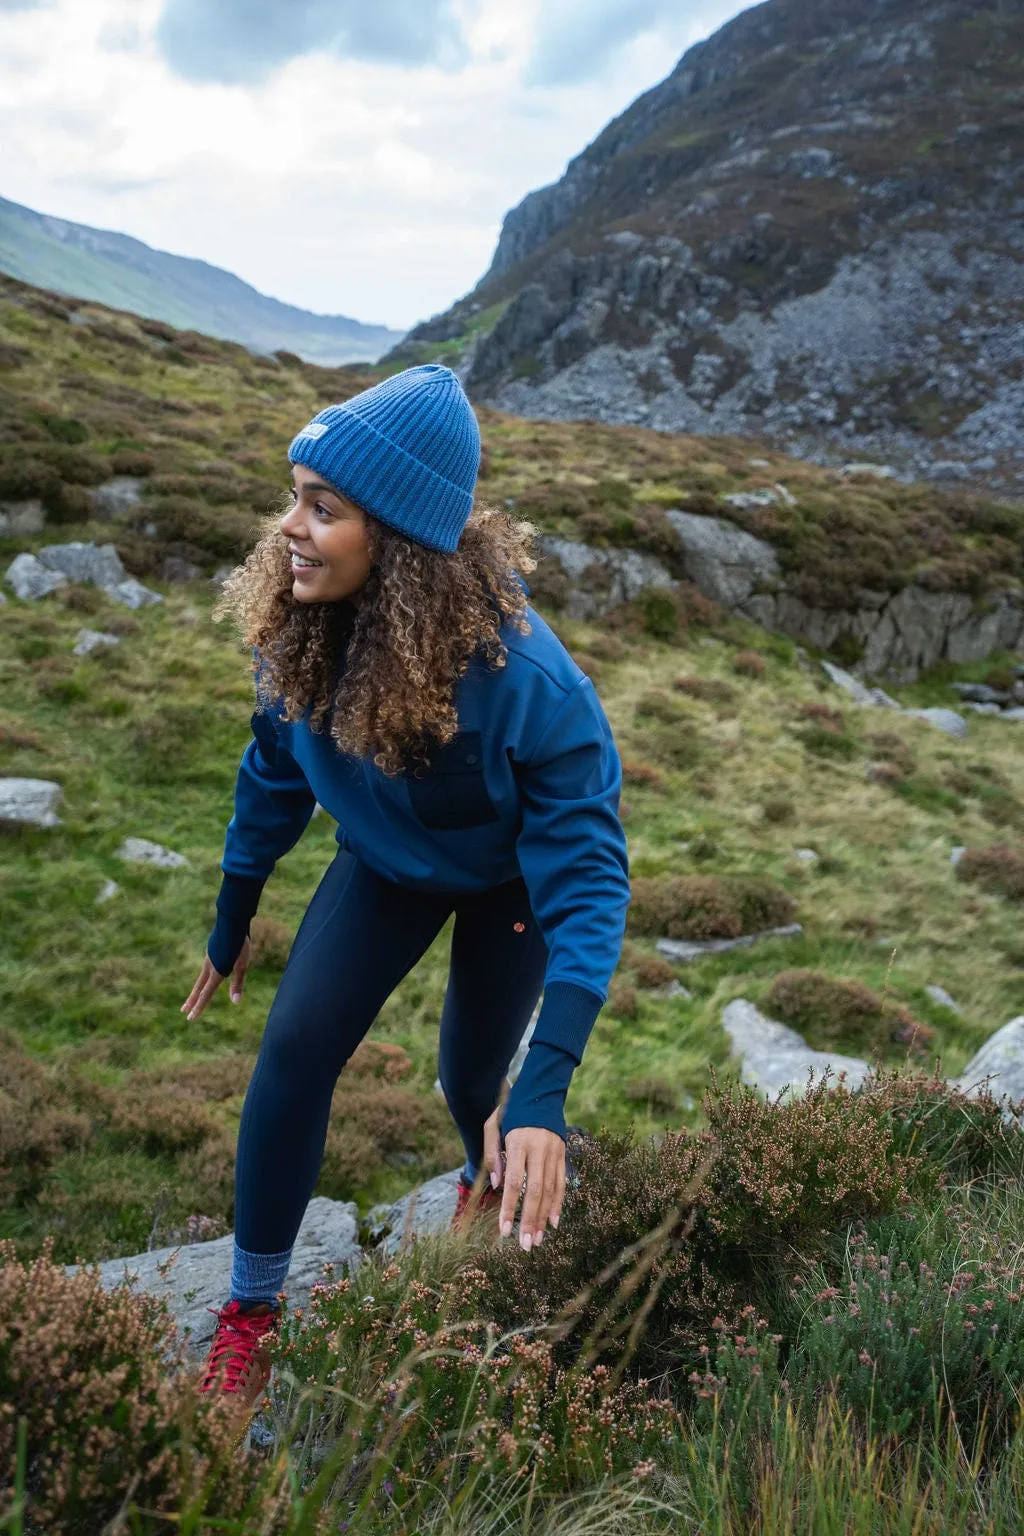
(519, 927)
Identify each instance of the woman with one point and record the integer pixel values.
(404, 683)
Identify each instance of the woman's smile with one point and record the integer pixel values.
(327, 540)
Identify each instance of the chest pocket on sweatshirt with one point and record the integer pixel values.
(452, 792)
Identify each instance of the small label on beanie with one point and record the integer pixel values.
(315, 429)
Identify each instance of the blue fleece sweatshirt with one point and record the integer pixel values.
(529, 785)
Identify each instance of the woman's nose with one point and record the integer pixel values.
(292, 521)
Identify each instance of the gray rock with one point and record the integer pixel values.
(883, 471)
(31, 579)
(848, 683)
(940, 996)
(1017, 713)
(89, 640)
(115, 497)
(882, 699)
(805, 855)
(946, 720)
(1000, 1059)
(195, 1276)
(427, 1209)
(980, 693)
(957, 853)
(601, 578)
(139, 850)
(763, 498)
(724, 561)
(21, 517)
(132, 594)
(686, 950)
(96, 563)
(221, 575)
(30, 802)
(108, 890)
(178, 571)
(983, 709)
(675, 989)
(776, 1059)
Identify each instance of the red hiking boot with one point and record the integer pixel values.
(468, 1208)
(238, 1361)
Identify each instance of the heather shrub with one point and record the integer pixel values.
(622, 1000)
(38, 1121)
(891, 746)
(677, 746)
(706, 906)
(957, 1138)
(271, 942)
(105, 1418)
(999, 869)
(642, 773)
(904, 1338)
(748, 664)
(376, 1122)
(651, 970)
(825, 741)
(711, 690)
(434, 1395)
(829, 1011)
(659, 706)
(822, 714)
(778, 809)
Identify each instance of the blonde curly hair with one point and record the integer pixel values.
(381, 675)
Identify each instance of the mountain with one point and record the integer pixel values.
(114, 269)
(811, 231)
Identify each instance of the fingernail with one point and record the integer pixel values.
(538, 1238)
(553, 1220)
(506, 1229)
(525, 1241)
(494, 1179)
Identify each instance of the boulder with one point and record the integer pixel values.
(429, 1208)
(139, 850)
(132, 594)
(96, 563)
(116, 497)
(686, 950)
(20, 517)
(193, 1277)
(601, 578)
(29, 802)
(1001, 1059)
(946, 720)
(777, 1059)
(724, 561)
(108, 890)
(31, 579)
(941, 997)
(89, 640)
(178, 571)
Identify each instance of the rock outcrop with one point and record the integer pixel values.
(29, 802)
(810, 231)
(777, 1059)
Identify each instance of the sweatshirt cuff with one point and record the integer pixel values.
(537, 1097)
(567, 1016)
(237, 902)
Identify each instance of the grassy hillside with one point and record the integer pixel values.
(114, 269)
(118, 1116)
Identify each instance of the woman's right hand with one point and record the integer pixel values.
(209, 980)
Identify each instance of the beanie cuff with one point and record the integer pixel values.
(383, 479)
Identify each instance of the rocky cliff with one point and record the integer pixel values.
(811, 232)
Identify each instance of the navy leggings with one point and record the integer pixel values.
(360, 935)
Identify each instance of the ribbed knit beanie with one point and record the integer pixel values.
(407, 451)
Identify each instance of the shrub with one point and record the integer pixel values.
(90, 1375)
(999, 868)
(38, 1121)
(641, 773)
(660, 706)
(830, 1011)
(824, 741)
(132, 461)
(885, 773)
(271, 942)
(822, 714)
(623, 1000)
(712, 690)
(778, 809)
(378, 1123)
(748, 664)
(893, 748)
(707, 906)
(651, 970)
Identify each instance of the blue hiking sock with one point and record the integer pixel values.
(258, 1276)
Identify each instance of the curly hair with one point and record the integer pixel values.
(382, 674)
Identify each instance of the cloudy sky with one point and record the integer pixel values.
(350, 156)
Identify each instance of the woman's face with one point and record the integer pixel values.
(327, 537)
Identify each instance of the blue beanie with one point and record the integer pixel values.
(407, 451)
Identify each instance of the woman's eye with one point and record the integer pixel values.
(325, 510)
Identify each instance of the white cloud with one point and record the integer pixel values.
(344, 185)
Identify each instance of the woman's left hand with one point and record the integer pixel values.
(539, 1156)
